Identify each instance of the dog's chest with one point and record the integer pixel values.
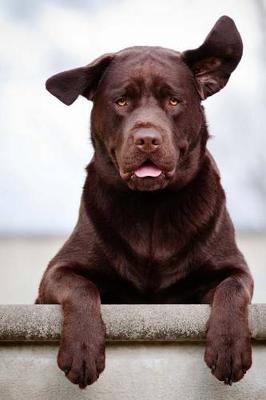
(148, 254)
(156, 238)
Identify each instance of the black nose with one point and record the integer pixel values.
(147, 139)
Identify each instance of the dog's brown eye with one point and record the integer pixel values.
(121, 101)
(173, 101)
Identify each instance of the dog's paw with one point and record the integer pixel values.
(227, 353)
(82, 353)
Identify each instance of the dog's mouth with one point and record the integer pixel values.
(147, 176)
(148, 169)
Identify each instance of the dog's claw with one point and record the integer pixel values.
(228, 381)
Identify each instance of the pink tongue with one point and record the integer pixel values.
(148, 170)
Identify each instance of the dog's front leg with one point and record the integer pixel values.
(228, 347)
(82, 348)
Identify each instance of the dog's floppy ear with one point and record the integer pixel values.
(68, 85)
(213, 62)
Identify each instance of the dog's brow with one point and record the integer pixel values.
(118, 85)
(166, 87)
(129, 85)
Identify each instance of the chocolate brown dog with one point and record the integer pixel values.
(153, 225)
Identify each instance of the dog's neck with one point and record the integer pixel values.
(201, 183)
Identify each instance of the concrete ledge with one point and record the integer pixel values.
(42, 323)
(153, 352)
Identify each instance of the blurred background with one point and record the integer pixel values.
(45, 146)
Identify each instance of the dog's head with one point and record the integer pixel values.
(147, 124)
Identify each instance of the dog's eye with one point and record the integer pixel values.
(121, 101)
(173, 101)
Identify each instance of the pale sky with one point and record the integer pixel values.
(44, 145)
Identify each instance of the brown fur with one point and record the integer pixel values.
(165, 239)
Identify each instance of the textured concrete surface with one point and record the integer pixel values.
(134, 371)
(154, 352)
(143, 322)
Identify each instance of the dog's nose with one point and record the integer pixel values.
(147, 139)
